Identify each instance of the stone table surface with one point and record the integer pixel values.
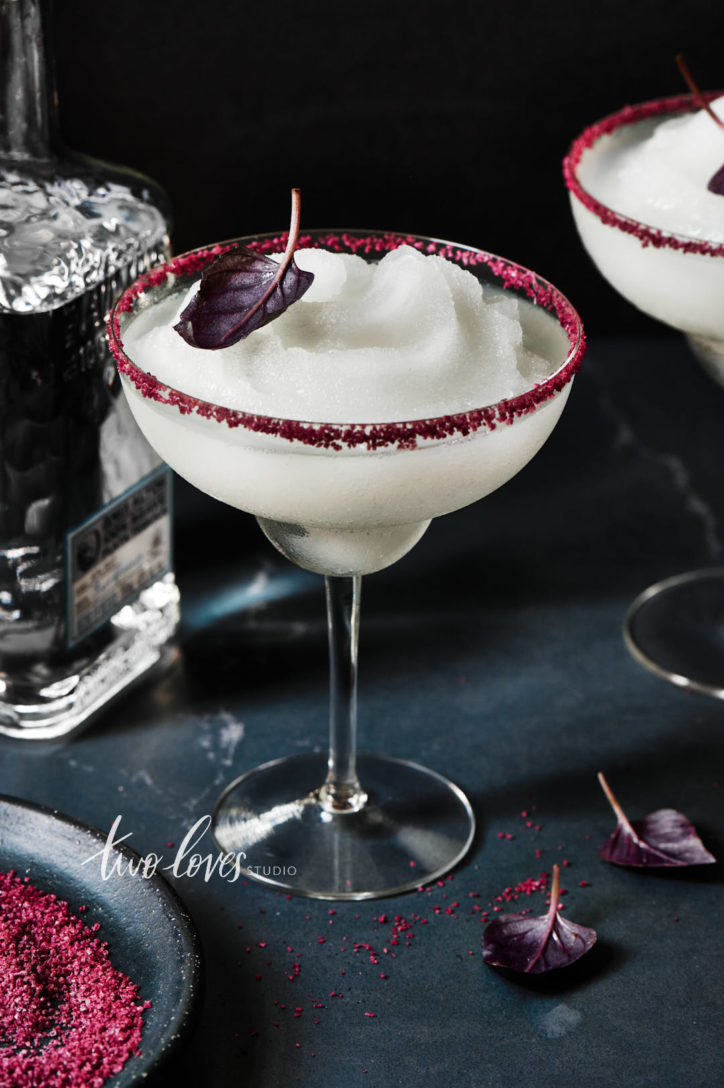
(493, 654)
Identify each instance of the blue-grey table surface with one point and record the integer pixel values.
(493, 654)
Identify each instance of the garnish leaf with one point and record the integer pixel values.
(696, 91)
(716, 183)
(242, 290)
(661, 839)
(535, 945)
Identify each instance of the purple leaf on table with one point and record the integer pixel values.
(533, 945)
(663, 838)
(242, 290)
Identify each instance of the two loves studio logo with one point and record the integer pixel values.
(187, 861)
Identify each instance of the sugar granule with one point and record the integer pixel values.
(68, 1017)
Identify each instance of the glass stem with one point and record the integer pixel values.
(341, 791)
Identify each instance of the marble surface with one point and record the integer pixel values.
(492, 653)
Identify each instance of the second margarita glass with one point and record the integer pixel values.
(346, 499)
(673, 627)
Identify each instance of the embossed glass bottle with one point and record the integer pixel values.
(88, 603)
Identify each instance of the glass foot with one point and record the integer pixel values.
(676, 629)
(415, 826)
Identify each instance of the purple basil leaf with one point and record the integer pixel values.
(242, 290)
(663, 838)
(716, 184)
(534, 945)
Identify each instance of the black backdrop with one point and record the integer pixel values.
(446, 118)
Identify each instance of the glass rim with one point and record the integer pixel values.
(373, 435)
(646, 235)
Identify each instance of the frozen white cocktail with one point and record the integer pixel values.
(412, 378)
(639, 190)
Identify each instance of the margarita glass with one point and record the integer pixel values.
(346, 499)
(674, 627)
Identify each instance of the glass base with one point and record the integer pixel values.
(44, 702)
(415, 826)
(676, 629)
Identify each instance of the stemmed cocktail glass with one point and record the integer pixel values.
(675, 627)
(347, 499)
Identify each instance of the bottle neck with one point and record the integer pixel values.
(28, 97)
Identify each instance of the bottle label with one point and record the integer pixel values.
(117, 553)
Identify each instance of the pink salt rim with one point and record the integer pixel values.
(629, 115)
(372, 435)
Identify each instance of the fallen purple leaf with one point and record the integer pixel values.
(241, 291)
(663, 838)
(534, 945)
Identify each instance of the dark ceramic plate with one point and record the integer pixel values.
(149, 932)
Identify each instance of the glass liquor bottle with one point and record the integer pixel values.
(88, 602)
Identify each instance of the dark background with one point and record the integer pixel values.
(448, 119)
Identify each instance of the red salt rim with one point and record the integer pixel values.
(647, 236)
(372, 435)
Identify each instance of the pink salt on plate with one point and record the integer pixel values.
(68, 1017)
